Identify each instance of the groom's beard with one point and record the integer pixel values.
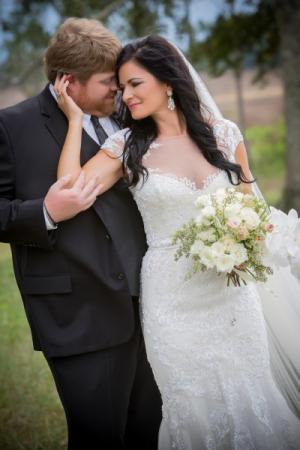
(103, 107)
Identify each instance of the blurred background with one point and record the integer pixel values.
(247, 51)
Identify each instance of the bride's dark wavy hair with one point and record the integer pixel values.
(156, 55)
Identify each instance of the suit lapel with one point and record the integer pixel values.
(88, 147)
(57, 125)
(55, 121)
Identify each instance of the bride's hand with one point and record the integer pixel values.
(65, 102)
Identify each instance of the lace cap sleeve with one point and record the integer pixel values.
(228, 136)
(114, 144)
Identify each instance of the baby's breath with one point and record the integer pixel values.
(226, 236)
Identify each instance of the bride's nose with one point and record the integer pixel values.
(127, 95)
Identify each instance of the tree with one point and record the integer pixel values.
(288, 19)
(26, 31)
(267, 37)
(234, 42)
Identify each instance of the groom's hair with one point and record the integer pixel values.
(81, 47)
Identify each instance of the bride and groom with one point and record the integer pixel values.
(206, 344)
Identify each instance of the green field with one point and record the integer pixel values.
(31, 417)
(267, 145)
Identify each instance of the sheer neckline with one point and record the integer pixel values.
(167, 138)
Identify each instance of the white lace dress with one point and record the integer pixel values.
(206, 342)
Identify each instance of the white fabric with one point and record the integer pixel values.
(49, 225)
(210, 111)
(107, 124)
(206, 343)
(283, 334)
(185, 162)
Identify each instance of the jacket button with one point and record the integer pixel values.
(108, 237)
(121, 276)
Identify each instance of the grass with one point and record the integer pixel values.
(268, 159)
(31, 417)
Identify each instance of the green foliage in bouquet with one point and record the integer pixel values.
(227, 235)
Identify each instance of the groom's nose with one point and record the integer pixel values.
(113, 85)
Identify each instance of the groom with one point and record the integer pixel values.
(79, 275)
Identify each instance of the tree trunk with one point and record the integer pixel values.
(288, 14)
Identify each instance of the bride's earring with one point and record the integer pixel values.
(171, 103)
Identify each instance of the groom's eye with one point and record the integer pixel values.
(108, 81)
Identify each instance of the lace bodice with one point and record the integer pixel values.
(206, 342)
(178, 173)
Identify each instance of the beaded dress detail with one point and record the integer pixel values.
(206, 342)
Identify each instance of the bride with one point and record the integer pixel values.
(207, 343)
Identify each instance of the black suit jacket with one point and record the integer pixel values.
(76, 282)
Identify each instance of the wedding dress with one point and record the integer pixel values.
(206, 342)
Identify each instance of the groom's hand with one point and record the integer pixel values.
(63, 202)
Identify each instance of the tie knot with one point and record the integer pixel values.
(100, 132)
(95, 121)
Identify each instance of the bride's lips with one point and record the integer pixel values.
(133, 105)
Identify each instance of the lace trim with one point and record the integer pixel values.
(187, 181)
(152, 146)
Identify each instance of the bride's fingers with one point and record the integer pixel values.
(63, 96)
(59, 82)
(64, 86)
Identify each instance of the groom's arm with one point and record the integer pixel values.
(21, 222)
(24, 222)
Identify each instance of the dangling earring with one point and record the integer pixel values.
(171, 103)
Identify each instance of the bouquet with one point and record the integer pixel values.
(228, 235)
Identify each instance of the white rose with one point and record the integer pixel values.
(208, 211)
(232, 210)
(220, 195)
(196, 248)
(218, 248)
(208, 257)
(225, 263)
(227, 243)
(202, 201)
(234, 222)
(239, 253)
(207, 235)
(250, 218)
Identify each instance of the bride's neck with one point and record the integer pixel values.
(170, 124)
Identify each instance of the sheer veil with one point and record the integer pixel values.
(280, 295)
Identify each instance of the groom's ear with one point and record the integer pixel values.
(70, 77)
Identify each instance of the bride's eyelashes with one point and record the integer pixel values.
(136, 83)
(132, 84)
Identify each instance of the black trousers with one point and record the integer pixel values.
(110, 398)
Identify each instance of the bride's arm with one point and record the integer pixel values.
(241, 158)
(105, 167)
